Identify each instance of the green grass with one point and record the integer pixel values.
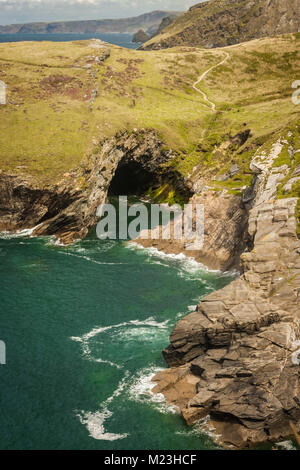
(49, 127)
(292, 141)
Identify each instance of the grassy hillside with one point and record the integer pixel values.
(218, 23)
(50, 125)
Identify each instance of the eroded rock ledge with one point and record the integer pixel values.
(231, 360)
(225, 232)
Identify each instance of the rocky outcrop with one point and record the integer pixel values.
(220, 23)
(24, 204)
(225, 237)
(125, 164)
(140, 37)
(167, 21)
(233, 360)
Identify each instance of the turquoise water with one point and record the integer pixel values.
(84, 327)
(123, 40)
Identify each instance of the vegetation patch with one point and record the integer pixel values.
(62, 102)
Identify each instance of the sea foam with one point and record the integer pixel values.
(144, 330)
(19, 233)
(141, 390)
(94, 421)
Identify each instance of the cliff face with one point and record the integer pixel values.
(147, 21)
(222, 22)
(128, 163)
(140, 36)
(225, 238)
(234, 359)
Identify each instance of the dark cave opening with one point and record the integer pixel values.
(132, 179)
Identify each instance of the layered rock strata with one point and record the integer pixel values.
(219, 23)
(234, 361)
(68, 209)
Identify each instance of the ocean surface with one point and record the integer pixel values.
(84, 328)
(123, 40)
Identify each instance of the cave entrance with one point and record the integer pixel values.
(131, 178)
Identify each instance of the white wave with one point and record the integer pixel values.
(192, 308)
(286, 445)
(148, 322)
(94, 422)
(141, 391)
(55, 242)
(202, 428)
(138, 330)
(147, 330)
(92, 246)
(186, 262)
(122, 385)
(19, 233)
(86, 351)
(144, 334)
(87, 258)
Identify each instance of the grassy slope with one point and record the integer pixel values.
(48, 126)
(195, 15)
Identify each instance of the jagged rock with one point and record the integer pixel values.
(296, 172)
(234, 170)
(67, 210)
(140, 37)
(218, 23)
(239, 342)
(289, 185)
(224, 232)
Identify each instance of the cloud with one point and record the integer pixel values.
(21, 11)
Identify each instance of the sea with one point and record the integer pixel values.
(123, 40)
(84, 328)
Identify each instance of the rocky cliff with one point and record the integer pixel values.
(146, 21)
(225, 235)
(125, 164)
(140, 36)
(224, 22)
(233, 361)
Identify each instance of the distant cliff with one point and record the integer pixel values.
(148, 22)
(218, 23)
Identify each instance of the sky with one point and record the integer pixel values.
(22, 11)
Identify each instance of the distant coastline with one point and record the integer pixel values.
(118, 39)
(150, 22)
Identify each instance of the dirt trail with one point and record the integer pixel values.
(212, 105)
